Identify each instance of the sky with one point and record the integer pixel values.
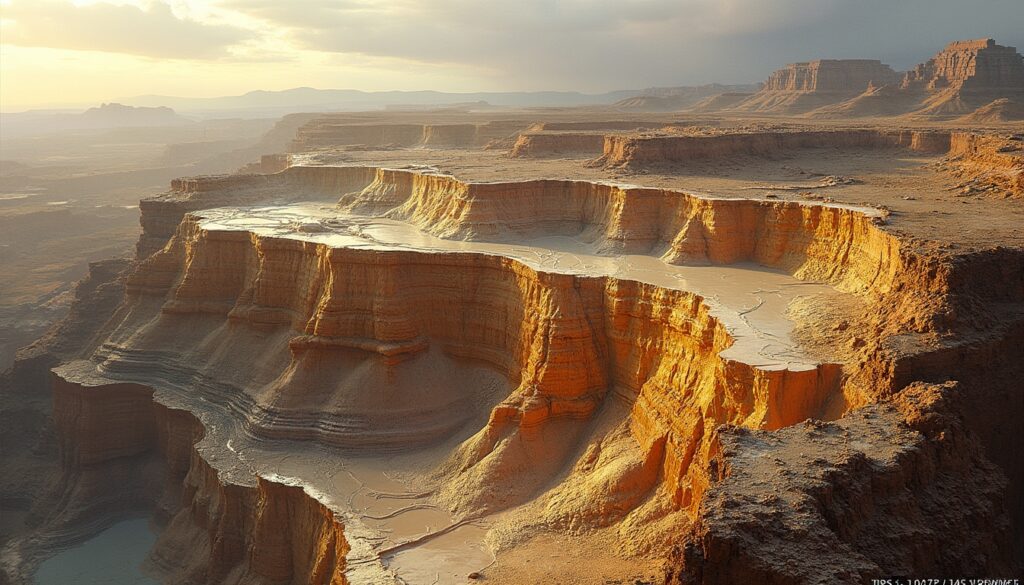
(64, 52)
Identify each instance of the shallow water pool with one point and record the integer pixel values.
(112, 557)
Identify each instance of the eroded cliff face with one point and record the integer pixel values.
(641, 151)
(123, 452)
(561, 341)
(977, 65)
(524, 366)
(831, 75)
(964, 77)
(160, 215)
(26, 429)
(990, 164)
(891, 489)
(802, 87)
(541, 144)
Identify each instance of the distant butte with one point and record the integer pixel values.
(976, 79)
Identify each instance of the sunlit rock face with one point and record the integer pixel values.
(310, 366)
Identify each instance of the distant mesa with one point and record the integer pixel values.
(831, 75)
(964, 78)
(114, 115)
(106, 116)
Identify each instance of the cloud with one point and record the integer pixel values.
(151, 32)
(604, 44)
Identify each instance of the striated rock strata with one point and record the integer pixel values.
(122, 451)
(364, 345)
(640, 151)
(885, 491)
(801, 87)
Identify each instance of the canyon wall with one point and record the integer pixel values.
(894, 489)
(542, 144)
(831, 75)
(640, 151)
(346, 333)
(990, 164)
(832, 243)
(561, 342)
(26, 429)
(123, 453)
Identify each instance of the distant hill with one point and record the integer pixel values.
(35, 122)
(667, 99)
(305, 99)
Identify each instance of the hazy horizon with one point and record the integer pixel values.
(108, 51)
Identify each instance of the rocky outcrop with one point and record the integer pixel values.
(971, 66)
(987, 164)
(160, 215)
(965, 76)
(643, 151)
(534, 328)
(544, 144)
(884, 491)
(578, 138)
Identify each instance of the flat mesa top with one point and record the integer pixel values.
(750, 300)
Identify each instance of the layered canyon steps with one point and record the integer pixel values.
(549, 346)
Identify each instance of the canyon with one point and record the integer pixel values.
(759, 343)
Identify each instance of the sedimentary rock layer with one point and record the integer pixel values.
(974, 66)
(831, 75)
(825, 242)
(962, 78)
(357, 336)
(398, 308)
(160, 215)
(639, 151)
(218, 531)
(883, 491)
(541, 144)
(989, 164)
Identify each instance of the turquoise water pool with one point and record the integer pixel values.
(112, 557)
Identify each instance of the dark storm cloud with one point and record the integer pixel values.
(601, 44)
